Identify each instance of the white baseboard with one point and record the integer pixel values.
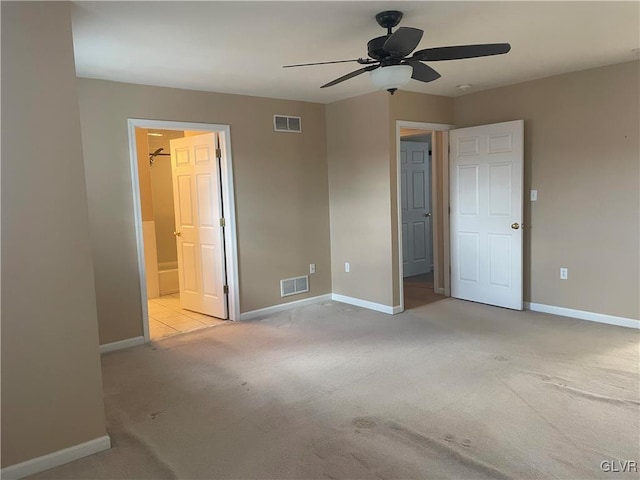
(378, 307)
(129, 342)
(283, 306)
(583, 315)
(55, 459)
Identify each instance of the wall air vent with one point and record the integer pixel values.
(291, 286)
(285, 123)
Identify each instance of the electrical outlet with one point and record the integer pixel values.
(564, 273)
(347, 267)
(312, 268)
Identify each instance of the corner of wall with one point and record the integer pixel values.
(50, 359)
(359, 197)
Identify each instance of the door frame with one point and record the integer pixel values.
(228, 206)
(436, 208)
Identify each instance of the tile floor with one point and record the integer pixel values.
(167, 318)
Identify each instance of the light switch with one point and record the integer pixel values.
(534, 195)
(564, 273)
(347, 267)
(312, 268)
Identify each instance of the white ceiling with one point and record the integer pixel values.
(240, 47)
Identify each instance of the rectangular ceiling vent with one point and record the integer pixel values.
(286, 123)
(292, 286)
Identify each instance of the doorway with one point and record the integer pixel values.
(422, 228)
(169, 263)
(417, 225)
(477, 235)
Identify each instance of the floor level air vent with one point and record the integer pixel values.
(285, 123)
(291, 286)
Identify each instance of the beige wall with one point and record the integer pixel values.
(413, 107)
(144, 175)
(162, 187)
(357, 154)
(582, 155)
(420, 107)
(51, 379)
(191, 133)
(280, 188)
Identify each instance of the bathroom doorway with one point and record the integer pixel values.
(171, 263)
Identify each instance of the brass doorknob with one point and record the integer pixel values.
(515, 226)
(177, 234)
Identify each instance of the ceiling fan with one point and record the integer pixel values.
(389, 63)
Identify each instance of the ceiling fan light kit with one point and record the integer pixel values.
(391, 78)
(389, 64)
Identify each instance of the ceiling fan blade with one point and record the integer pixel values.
(422, 72)
(350, 75)
(402, 42)
(461, 51)
(362, 61)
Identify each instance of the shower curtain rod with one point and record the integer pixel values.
(156, 154)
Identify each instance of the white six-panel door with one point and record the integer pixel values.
(415, 178)
(486, 192)
(199, 235)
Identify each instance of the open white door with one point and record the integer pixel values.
(199, 230)
(486, 183)
(415, 177)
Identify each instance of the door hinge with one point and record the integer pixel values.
(222, 223)
(218, 153)
(225, 289)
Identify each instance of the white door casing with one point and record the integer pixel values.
(199, 233)
(486, 189)
(415, 181)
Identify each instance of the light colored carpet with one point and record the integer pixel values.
(449, 390)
